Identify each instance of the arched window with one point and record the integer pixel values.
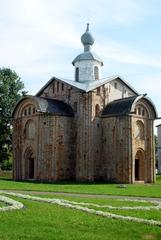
(96, 73)
(30, 130)
(77, 74)
(140, 130)
(29, 110)
(97, 110)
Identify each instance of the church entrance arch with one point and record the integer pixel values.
(139, 165)
(29, 163)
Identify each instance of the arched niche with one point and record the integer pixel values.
(139, 130)
(29, 130)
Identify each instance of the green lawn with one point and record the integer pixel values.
(2, 204)
(49, 221)
(145, 190)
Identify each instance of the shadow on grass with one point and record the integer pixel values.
(63, 182)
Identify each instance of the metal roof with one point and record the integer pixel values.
(88, 55)
(87, 38)
(125, 106)
(120, 106)
(87, 86)
(50, 106)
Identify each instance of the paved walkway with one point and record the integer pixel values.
(84, 195)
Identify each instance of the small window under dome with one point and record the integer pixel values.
(77, 74)
(96, 73)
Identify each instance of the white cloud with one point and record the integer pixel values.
(126, 54)
(40, 38)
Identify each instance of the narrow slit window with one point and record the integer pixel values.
(98, 91)
(57, 86)
(97, 110)
(77, 74)
(96, 73)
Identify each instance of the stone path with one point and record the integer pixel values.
(85, 195)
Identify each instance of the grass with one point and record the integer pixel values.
(147, 214)
(51, 222)
(145, 190)
(106, 201)
(47, 221)
(2, 204)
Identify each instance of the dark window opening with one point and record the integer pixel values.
(136, 169)
(77, 74)
(57, 86)
(53, 87)
(29, 110)
(143, 112)
(115, 85)
(98, 91)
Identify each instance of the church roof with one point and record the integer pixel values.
(125, 106)
(47, 105)
(87, 41)
(119, 107)
(87, 86)
(88, 55)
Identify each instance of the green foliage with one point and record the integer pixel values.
(10, 92)
(6, 165)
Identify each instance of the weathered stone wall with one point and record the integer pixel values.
(85, 147)
(116, 154)
(146, 145)
(56, 152)
(52, 144)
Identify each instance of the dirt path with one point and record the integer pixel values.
(83, 195)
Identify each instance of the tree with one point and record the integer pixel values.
(10, 92)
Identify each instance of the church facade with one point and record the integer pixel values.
(86, 129)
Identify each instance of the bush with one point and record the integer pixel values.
(6, 165)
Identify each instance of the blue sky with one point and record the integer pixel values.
(40, 38)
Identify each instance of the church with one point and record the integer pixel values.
(87, 129)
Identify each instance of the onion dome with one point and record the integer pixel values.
(87, 39)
